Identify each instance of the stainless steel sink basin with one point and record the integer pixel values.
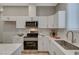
(66, 45)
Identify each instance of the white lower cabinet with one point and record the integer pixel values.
(46, 44)
(42, 43)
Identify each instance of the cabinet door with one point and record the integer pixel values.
(43, 43)
(51, 21)
(11, 18)
(8, 18)
(35, 18)
(20, 22)
(28, 19)
(40, 43)
(61, 19)
(42, 22)
(56, 20)
(46, 43)
(31, 18)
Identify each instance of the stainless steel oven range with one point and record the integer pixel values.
(31, 45)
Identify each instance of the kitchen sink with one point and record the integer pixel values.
(66, 45)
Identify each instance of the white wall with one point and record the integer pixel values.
(15, 11)
(23, 11)
(45, 10)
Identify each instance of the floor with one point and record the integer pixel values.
(33, 52)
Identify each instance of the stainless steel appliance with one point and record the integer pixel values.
(32, 45)
(35, 35)
(31, 23)
(31, 41)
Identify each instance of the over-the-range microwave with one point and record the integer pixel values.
(31, 23)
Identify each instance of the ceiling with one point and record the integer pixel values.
(27, 4)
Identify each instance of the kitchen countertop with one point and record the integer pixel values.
(66, 52)
(8, 48)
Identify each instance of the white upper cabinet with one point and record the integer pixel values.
(57, 20)
(20, 22)
(28, 18)
(35, 18)
(31, 18)
(42, 22)
(72, 16)
(8, 18)
(11, 18)
(52, 21)
(61, 19)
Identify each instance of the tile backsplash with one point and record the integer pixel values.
(63, 33)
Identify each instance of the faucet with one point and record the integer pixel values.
(72, 35)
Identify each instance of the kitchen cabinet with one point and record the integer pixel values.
(61, 19)
(35, 18)
(20, 22)
(31, 18)
(28, 18)
(57, 20)
(40, 43)
(52, 21)
(43, 43)
(46, 43)
(42, 22)
(8, 18)
(11, 18)
(72, 17)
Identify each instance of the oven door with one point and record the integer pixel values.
(32, 45)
